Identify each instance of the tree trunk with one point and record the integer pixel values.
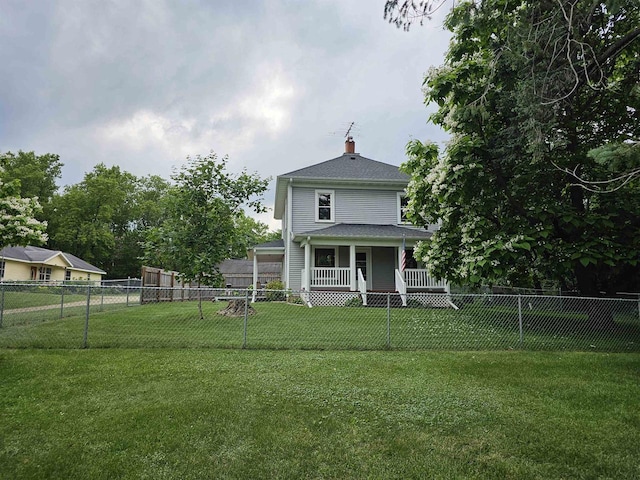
(598, 311)
(236, 308)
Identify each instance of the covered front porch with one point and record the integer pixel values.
(381, 262)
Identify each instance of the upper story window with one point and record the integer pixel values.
(403, 201)
(325, 203)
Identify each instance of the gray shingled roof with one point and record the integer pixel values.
(350, 166)
(272, 244)
(39, 255)
(368, 231)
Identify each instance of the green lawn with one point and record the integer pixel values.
(197, 413)
(13, 300)
(280, 326)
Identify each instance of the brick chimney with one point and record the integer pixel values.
(349, 145)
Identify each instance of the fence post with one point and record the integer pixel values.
(388, 320)
(2, 303)
(246, 315)
(101, 296)
(62, 301)
(86, 317)
(520, 318)
(128, 286)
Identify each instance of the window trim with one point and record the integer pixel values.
(400, 196)
(332, 205)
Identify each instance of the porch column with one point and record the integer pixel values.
(255, 274)
(352, 268)
(307, 265)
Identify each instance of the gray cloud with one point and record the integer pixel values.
(143, 84)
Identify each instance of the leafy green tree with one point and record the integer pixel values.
(541, 100)
(249, 232)
(88, 218)
(200, 226)
(37, 173)
(147, 211)
(18, 225)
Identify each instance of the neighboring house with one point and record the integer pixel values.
(344, 228)
(37, 264)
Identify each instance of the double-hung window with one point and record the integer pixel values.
(325, 205)
(403, 202)
(1, 269)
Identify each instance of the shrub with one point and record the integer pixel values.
(295, 299)
(274, 291)
(353, 302)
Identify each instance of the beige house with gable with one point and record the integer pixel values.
(36, 264)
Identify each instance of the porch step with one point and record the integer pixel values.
(427, 300)
(380, 300)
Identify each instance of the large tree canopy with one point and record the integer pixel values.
(105, 218)
(203, 210)
(37, 173)
(541, 98)
(89, 217)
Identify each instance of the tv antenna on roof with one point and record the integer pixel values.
(346, 129)
(347, 135)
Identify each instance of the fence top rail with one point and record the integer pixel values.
(629, 297)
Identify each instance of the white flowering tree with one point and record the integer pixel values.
(527, 114)
(17, 223)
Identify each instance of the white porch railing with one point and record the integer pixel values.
(401, 287)
(330, 277)
(362, 286)
(419, 278)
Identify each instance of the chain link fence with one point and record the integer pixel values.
(126, 316)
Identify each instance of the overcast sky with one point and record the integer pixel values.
(272, 84)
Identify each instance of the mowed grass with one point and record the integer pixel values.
(13, 300)
(287, 326)
(194, 413)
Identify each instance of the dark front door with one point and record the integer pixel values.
(363, 259)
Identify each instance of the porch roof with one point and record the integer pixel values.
(274, 244)
(268, 251)
(353, 230)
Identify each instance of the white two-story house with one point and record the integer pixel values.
(343, 228)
